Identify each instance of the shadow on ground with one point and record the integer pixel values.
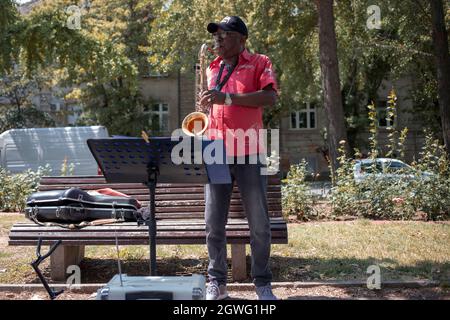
(284, 269)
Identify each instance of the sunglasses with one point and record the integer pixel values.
(223, 35)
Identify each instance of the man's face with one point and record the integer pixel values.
(228, 43)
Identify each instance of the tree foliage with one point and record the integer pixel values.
(8, 28)
(101, 61)
(120, 40)
(21, 91)
(287, 31)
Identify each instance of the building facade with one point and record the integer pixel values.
(301, 130)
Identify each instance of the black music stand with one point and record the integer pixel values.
(133, 160)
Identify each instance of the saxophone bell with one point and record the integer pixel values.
(196, 123)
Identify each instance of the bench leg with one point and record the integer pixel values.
(63, 257)
(238, 262)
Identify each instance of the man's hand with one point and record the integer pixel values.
(210, 97)
(266, 97)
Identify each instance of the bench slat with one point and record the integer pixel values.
(101, 179)
(273, 207)
(173, 214)
(24, 225)
(282, 239)
(198, 203)
(168, 232)
(139, 238)
(143, 234)
(165, 231)
(139, 190)
(159, 222)
(143, 194)
(18, 230)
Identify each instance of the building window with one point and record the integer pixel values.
(304, 118)
(55, 106)
(159, 117)
(382, 111)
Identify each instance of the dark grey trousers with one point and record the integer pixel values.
(252, 186)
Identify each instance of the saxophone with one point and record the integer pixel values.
(196, 123)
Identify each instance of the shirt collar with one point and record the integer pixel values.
(244, 55)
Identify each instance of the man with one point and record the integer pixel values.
(240, 85)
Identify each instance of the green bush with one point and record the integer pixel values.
(432, 194)
(400, 199)
(345, 194)
(15, 188)
(375, 197)
(296, 198)
(385, 200)
(403, 198)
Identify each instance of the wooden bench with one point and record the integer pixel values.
(180, 220)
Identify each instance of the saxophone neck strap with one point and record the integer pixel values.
(219, 84)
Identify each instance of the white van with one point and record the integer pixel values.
(22, 149)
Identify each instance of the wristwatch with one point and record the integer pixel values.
(228, 100)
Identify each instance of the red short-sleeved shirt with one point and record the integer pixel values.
(252, 73)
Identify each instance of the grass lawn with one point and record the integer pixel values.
(316, 251)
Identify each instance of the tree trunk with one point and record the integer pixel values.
(441, 53)
(331, 87)
(18, 103)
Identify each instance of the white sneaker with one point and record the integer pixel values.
(265, 293)
(214, 291)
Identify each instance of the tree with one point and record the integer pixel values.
(120, 40)
(20, 90)
(8, 23)
(332, 98)
(440, 41)
(104, 58)
(113, 98)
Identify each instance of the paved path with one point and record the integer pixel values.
(314, 293)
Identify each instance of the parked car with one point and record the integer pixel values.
(386, 169)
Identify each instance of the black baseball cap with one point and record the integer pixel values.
(231, 23)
